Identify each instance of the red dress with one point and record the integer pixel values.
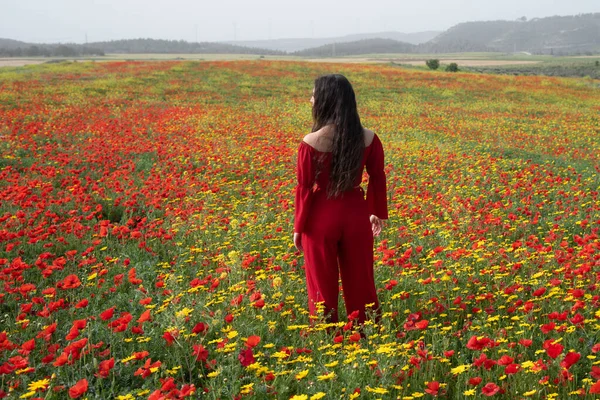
(337, 231)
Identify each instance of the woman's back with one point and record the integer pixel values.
(319, 144)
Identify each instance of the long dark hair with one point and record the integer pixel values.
(335, 103)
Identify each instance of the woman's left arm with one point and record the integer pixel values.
(377, 188)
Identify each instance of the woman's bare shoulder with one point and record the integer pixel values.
(369, 136)
(318, 141)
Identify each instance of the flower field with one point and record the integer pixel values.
(146, 214)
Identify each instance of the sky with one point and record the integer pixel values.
(78, 21)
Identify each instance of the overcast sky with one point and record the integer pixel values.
(51, 21)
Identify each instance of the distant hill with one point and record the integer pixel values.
(579, 34)
(13, 48)
(295, 45)
(177, 46)
(563, 35)
(364, 46)
(10, 44)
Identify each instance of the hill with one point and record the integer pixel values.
(10, 44)
(177, 46)
(364, 46)
(576, 34)
(298, 44)
(13, 48)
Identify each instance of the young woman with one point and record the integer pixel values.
(334, 223)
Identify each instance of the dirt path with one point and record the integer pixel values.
(17, 62)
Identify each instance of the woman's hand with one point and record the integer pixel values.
(376, 225)
(298, 241)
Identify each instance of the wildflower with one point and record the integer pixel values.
(246, 357)
(78, 389)
(200, 352)
(301, 374)
(377, 390)
(247, 389)
(570, 359)
(432, 388)
(144, 317)
(107, 314)
(552, 348)
(252, 341)
(490, 389)
(460, 369)
(39, 385)
(200, 327)
(326, 377)
(105, 367)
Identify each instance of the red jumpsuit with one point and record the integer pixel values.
(337, 231)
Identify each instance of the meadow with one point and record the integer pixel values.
(146, 213)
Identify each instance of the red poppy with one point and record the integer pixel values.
(475, 381)
(146, 370)
(552, 349)
(355, 337)
(78, 389)
(547, 328)
(252, 341)
(433, 388)
(107, 314)
(512, 369)
(170, 336)
(82, 304)
(70, 282)
(200, 327)
(525, 342)
(105, 367)
(423, 324)
(570, 359)
(246, 357)
(144, 317)
(476, 343)
(200, 352)
(505, 360)
(490, 389)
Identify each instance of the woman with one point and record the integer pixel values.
(334, 224)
